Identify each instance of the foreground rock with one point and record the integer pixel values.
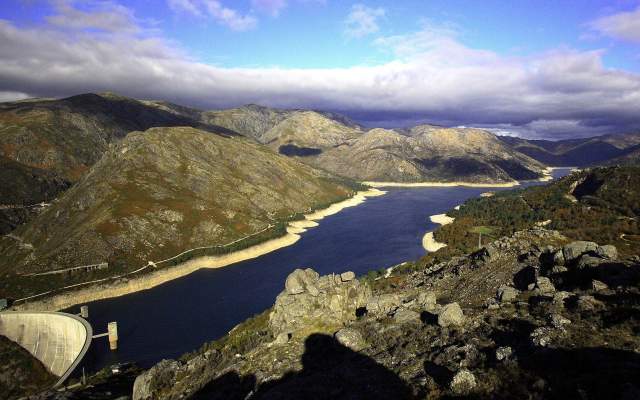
(451, 315)
(378, 339)
(311, 300)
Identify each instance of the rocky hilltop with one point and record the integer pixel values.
(422, 153)
(158, 193)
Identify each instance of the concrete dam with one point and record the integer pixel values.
(58, 340)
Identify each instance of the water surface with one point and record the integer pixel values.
(180, 315)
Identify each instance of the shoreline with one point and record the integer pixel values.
(546, 176)
(429, 243)
(118, 287)
(440, 184)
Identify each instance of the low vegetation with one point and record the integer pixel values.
(601, 205)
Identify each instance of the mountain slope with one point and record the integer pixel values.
(67, 136)
(423, 153)
(163, 191)
(575, 152)
(21, 189)
(630, 157)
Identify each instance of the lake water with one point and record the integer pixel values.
(179, 316)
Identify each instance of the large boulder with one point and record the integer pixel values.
(403, 316)
(300, 280)
(507, 294)
(427, 300)
(545, 287)
(158, 378)
(575, 249)
(587, 261)
(351, 338)
(383, 304)
(451, 315)
(607, 251)
(463, 383)
(310, 299)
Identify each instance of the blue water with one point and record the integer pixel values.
(179, 316)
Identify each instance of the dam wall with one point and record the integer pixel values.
(58, 340)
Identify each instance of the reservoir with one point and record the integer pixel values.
(180, 315)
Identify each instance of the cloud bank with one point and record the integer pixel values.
(434, 78)
(624, 25)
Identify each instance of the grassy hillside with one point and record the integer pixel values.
(156, 194)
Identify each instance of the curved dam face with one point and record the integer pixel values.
(58, 340)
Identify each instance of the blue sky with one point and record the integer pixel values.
(536, 68)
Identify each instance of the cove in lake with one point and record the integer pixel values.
(179, 316)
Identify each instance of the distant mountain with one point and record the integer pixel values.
(255, 121)
(630, 157)
(163, 191)
(422, 153)
(576, 152)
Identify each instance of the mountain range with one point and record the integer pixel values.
(128, 181)
(606, 149)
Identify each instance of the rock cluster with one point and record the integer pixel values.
(309, 299)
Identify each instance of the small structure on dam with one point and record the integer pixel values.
(58, 340)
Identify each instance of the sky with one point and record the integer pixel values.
(549, 69)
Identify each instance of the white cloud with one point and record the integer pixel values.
(623, 25)
(271, 7)
(186, 6)
(362, 21)
(434, 77)
(230, 17)
(12, 96)
(103, 16)
(226, 16)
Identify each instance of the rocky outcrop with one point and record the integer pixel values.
(451, 315)
(154, 381)
(311, 300)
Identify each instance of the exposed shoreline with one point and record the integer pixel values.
(117, 288)
(428, 241)
(440, 184)
(546, 176)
